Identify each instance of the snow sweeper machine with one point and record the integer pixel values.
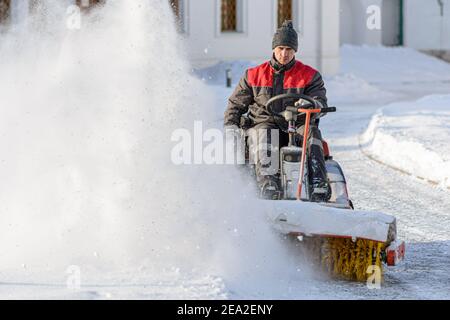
(346, 243)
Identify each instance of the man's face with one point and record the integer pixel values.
(284, 54)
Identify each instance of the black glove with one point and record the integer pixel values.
(318, 102)
(319, 105)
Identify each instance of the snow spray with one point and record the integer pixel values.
(86, 119)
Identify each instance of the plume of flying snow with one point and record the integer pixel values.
(86, 117)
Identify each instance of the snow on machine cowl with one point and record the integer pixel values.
(347, 243)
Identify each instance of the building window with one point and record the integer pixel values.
(231, 15)
(178, 8)
(175, 5)
(5, 10)
(284, 11)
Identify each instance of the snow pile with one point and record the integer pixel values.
(414, 137)
(373, 74)
(392, 65)
(349, 89)
(85, 123)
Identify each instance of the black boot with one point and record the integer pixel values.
(320, 188)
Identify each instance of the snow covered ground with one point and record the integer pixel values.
(92, 208)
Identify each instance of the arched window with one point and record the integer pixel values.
(284, 11)
(5, 10)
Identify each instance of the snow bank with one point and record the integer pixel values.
(350, 89)
(392, 65)
(372, 74)
(414, 137)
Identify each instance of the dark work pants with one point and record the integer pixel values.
(264, 141)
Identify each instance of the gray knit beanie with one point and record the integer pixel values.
(285, 36)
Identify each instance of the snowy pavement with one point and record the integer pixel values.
(162, 285)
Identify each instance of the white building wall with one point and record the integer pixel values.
(19, 11)
(206, 44)
(390, 15)
(424, 26)
(330, 39)
(317, 22)
(353, 22)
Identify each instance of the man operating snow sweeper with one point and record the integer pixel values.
(278, 105)
(266, 131)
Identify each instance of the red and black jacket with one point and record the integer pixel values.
(269, 79)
